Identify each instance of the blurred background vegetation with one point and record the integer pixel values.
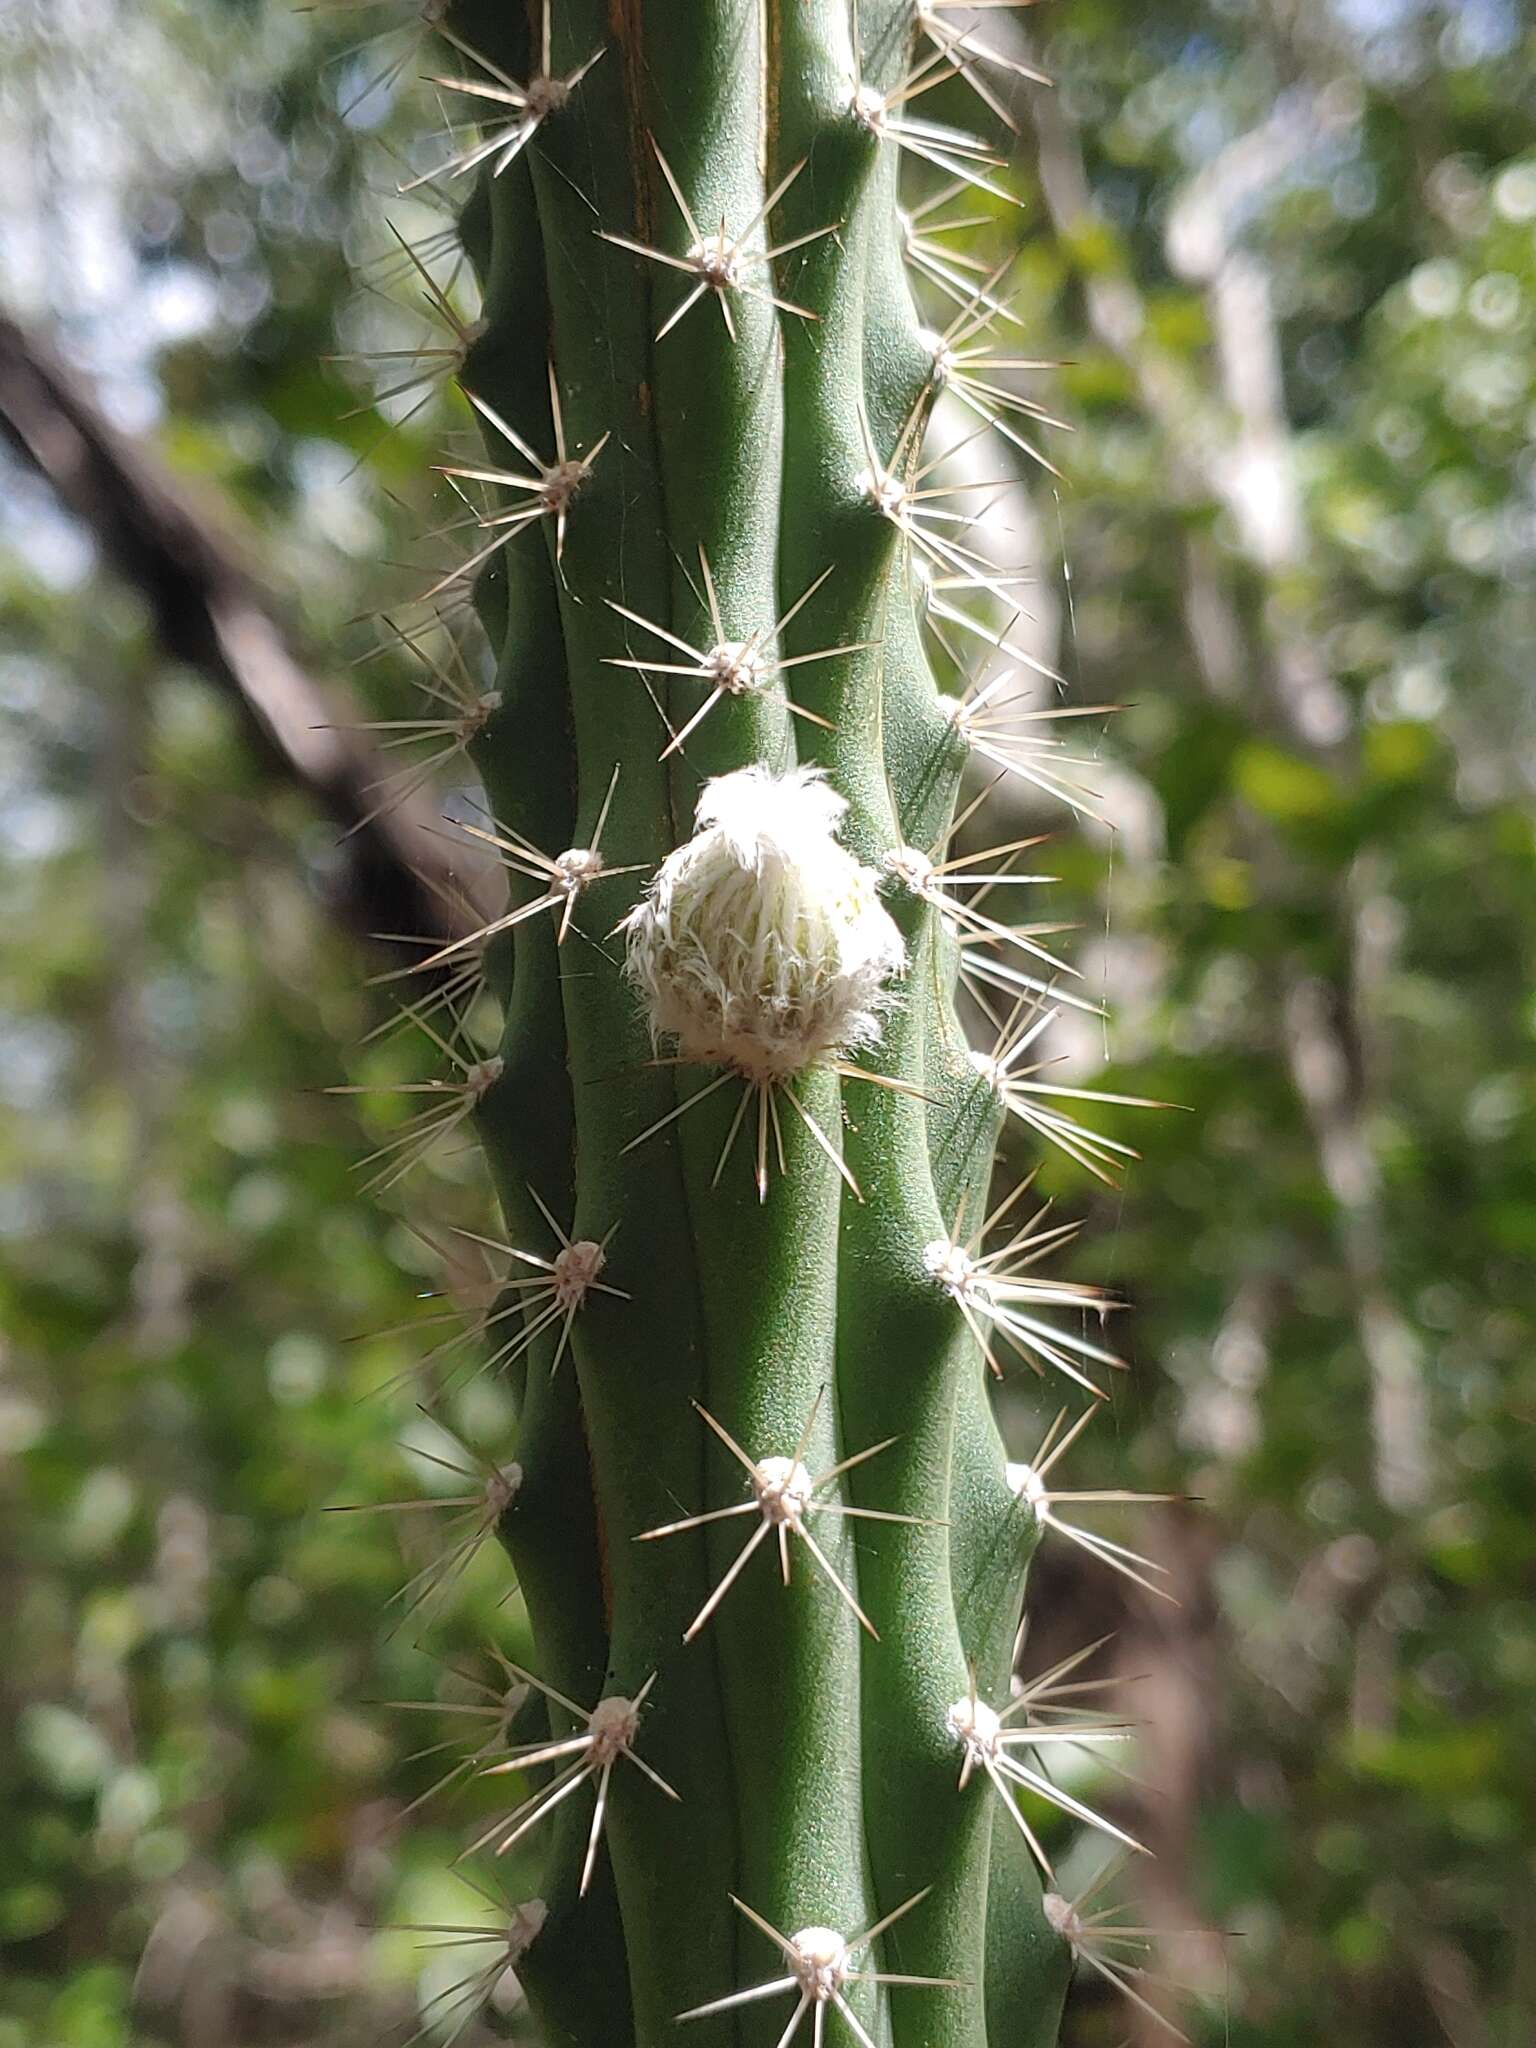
(1286, 251)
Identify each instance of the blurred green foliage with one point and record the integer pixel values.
(1287, 254)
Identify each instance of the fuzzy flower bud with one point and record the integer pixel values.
(762, 944)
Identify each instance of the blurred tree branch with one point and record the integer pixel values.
(1234, 448)
(210, 612)
(1240, 456)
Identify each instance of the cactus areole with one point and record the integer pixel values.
(712, 530)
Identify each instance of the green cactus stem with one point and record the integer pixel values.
(766, 1533)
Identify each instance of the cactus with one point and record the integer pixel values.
(770, 1544)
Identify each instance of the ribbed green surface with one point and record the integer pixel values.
(816, 1772)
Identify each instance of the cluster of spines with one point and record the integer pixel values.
(854, 1257)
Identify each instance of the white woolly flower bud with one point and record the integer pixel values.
(762, 944)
